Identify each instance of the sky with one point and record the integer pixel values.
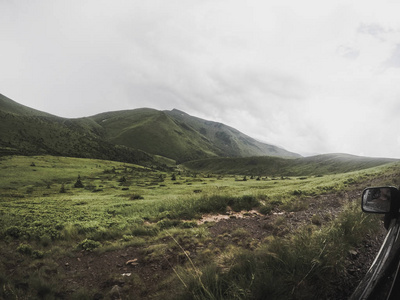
(310, 76)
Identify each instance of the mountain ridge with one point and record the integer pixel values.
(172, 134)
(323, 164)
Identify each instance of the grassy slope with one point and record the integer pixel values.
(229, 140)
(277, 166)
(179, 136)
(171, 134)
(154, 132)
(33, 213)
(27, 131)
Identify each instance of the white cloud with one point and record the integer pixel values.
(306, 75)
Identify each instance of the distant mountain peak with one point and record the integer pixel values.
(177, 111)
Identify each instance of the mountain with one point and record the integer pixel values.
(179, 136)
(277, 166)
(129, 135)
(26, 131)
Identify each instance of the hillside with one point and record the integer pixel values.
(179, 136)
(130, 135)
(27, 131)
(277, 166)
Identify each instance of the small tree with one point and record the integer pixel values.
(62, 189)
(78, 183)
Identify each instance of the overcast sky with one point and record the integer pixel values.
(309, 76)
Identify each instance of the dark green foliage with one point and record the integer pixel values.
(26, 131)
(124, 136)
(37, 254)
(78, 183)
(136, 197)
(265, 209)
(88, 245)
(25, 249)
(246, 202)
(14, 231)
(143, 230)
(167, 223)
(62, 189)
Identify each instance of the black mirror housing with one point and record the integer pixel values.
(380, 200)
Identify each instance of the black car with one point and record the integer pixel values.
(382, 281)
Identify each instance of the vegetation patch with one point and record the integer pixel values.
(294, 246)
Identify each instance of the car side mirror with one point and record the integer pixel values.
(379, 199)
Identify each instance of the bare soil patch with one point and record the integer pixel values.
(112, 275)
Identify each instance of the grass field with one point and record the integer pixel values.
(52, 208)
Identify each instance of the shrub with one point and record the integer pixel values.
(78, 183)
(167, 223)
(62, 189)
(88, 245)
(265, 209)
(14, 232)
(143, 230)
(245, 202)
(189, 224)
(136, 197)
(45, 240)
(37, 254)
(25, 249)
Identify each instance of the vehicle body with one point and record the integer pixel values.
(382, 281)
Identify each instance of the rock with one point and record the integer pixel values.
(353, 254)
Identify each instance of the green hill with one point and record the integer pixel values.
(179, 136)
(278, 166)
(26, 131)
(129, 135)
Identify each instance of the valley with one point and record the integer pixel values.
(133, 232)
(148, 204)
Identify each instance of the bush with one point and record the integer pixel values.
(245, 202)
(37, 254)
(78, 183)
(13, 231)
(25, 249)
(136, 197)
(88, 245)
(167, 223)
(143, 230)
(62, 189)
(265, 209)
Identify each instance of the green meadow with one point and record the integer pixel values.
(53, 208)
